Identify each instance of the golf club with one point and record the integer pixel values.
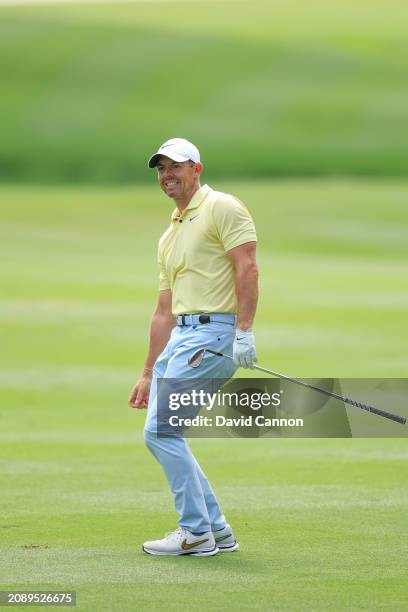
(196, 359)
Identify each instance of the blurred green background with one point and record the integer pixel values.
(267, 88)
(299, 109)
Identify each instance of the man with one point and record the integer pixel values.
(208, 293)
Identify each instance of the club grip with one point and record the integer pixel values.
(393, 417)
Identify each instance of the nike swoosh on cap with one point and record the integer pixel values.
(186, 546)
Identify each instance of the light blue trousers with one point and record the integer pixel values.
(194, 498)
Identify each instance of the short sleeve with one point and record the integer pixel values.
(164, 282)
(234, 223)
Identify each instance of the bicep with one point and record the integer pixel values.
(243, 256)
(164, 303)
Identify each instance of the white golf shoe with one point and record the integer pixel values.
(183, 542)
(225, 539)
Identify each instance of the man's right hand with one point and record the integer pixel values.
(139, 396)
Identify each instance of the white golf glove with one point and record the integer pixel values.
(244, 352)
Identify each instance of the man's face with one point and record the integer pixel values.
(177, 179)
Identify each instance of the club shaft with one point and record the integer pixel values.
(348, 400)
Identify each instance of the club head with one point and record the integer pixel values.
(196, 359)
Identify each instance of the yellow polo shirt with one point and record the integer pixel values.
(193, 256)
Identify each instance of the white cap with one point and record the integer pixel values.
(178, 149)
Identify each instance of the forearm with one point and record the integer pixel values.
(246, 288)
(160, 330)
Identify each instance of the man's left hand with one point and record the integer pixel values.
(244, 352)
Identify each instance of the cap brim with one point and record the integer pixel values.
(177, 158)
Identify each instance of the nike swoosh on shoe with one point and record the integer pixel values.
(186, 546)
(224, 537)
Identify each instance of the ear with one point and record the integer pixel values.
(199, 168)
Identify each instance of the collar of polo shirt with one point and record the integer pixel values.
(196, 201)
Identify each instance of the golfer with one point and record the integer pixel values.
(208, 292)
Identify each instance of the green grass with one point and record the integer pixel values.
(322, 523)
(266, 88)
(80, 265)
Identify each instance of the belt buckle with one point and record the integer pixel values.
(203, 318)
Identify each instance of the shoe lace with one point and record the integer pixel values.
(179, 533)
